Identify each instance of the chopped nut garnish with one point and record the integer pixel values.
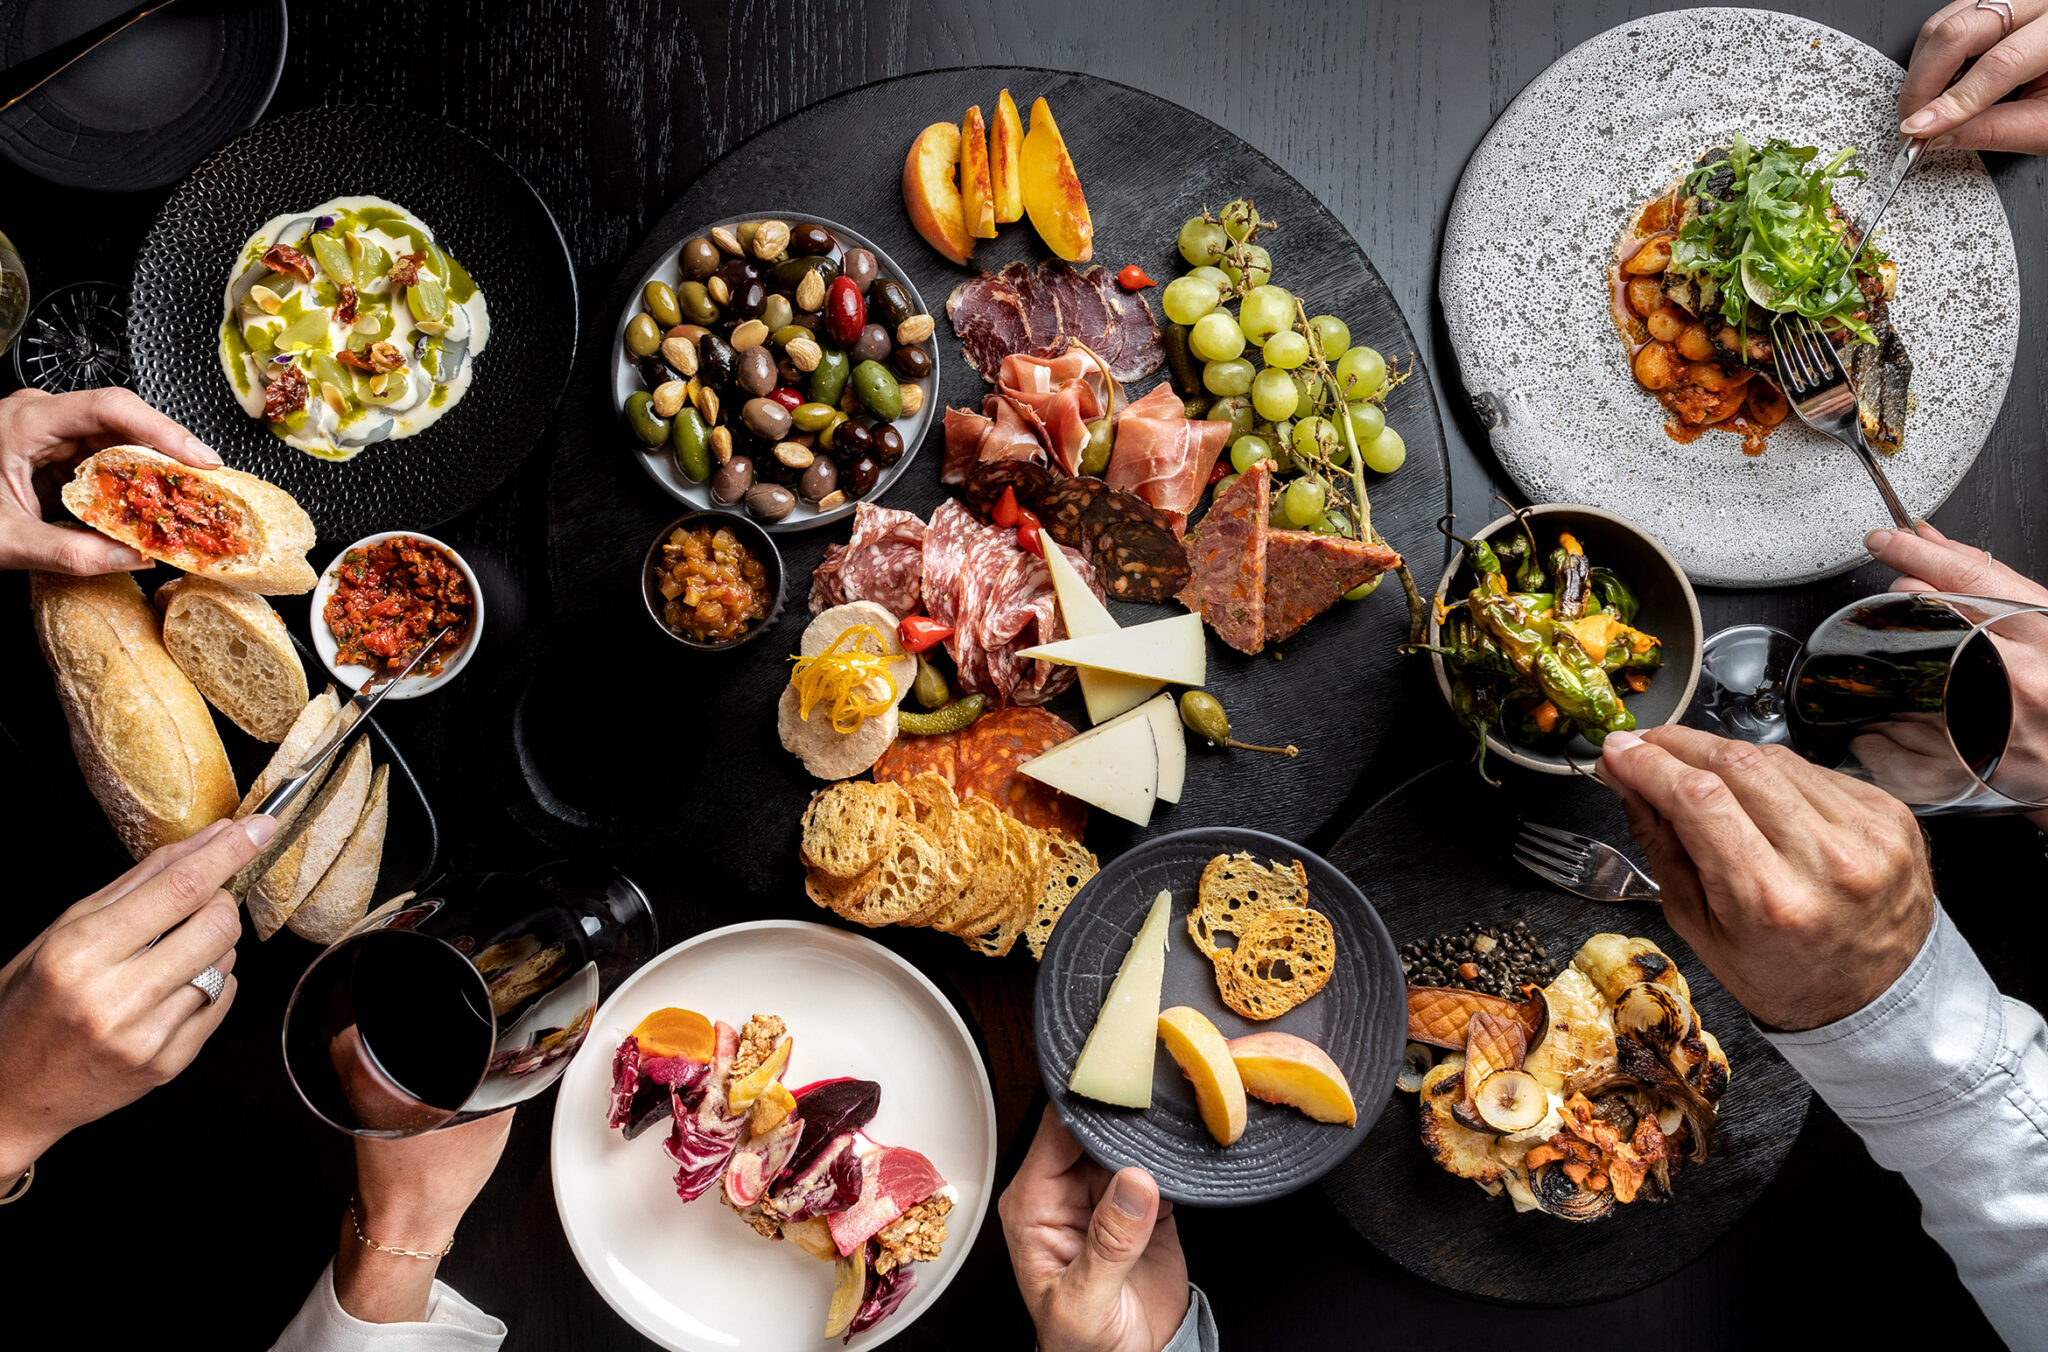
(345, 308)
(284, 258)
(914, 1237)
(285, 395)
(757, 1041)
(406, 271)
(386, 357)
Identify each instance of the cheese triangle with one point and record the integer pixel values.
(1170, 651)
(1116, 769)
(1168, 737)
(1107, 693)
(1115, 1066)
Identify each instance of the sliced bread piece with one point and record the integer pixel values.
(343, 896)
(237, 651)
(307, 735)
(324, 831)
(246, 532)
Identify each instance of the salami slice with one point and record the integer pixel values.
(1305, 574)
(982, 759)
(883, 562)
(999, 601)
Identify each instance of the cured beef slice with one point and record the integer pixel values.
(1305, 574)
(883, 562)
(1022, 311)
(988, 318)
(1133, 346)
(1228, 562)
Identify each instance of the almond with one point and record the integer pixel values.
(915, 329)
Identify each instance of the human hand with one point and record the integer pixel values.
(411, 1193)
(41, 431)
(1097, 1257)
(1805, 891)
(92, 1017)
(1969, 114)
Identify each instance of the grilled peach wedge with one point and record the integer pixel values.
(1005, 147)
(1204, 1057)
(977, 181)
(931, 193)
(1282, 1068)
(1052, 190)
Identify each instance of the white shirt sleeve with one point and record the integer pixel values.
(452, 1325)
(1947, 1084)
(1197, 1331)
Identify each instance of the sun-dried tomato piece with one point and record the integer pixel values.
(285, 395)
(406, 271)
(284, 258)
(386, 357)
(345, 308)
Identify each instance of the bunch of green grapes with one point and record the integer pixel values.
(1285, 408)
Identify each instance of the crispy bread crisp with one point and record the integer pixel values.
(1236, 887)
(1072, 866)
(848, 826)
(1284, 956)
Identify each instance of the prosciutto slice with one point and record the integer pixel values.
(883, 561)
(1058, 397)
(999, 432)
(1162, 456)
(999, 601)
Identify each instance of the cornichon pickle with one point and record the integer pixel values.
(649, 426)
(930, 688)
(1180, 361)
(827, 384)
(690, 439)
(877, 390)
(952, 718)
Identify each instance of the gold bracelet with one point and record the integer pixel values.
(21, 1186)
(355, 1217)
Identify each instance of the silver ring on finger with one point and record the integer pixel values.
(2003, 9)
(211, 983)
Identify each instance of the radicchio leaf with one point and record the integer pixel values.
(884, 1294)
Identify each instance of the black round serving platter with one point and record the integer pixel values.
(1437, 853)
(146, 105)
(1360, 1018)
(479, 209)
(718, 789)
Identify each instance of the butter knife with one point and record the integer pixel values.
(368, 698)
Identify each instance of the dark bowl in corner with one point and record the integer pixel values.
(752, 537)
(1669, 611)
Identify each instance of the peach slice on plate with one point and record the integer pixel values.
(977, 184)
(1282, 1068)
(1204, 1057)
(931, 194)
(1005, 145)
(1052, 190)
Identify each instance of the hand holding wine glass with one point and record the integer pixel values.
(411, 1194)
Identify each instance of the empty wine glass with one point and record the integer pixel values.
(14, 294)
(438, 1009)
(1939, 699)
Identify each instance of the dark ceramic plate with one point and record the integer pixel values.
(1438, 851)
(1360, 1019)
(477, 207)
(145, 106)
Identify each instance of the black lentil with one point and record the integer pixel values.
(1504, 957)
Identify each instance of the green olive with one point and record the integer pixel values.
(698, 307)
(878, 391)
(930, 688)
(777, 312)
(660, 299)
(827, 384)
(643, 335)
(690, 439)
(952, 718)
(825, 433)
(649, 426)
(1203, 713)
(813, 417)
(1101, 441)
(788, 334)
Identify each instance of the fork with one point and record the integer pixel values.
(1591, 868)
(1816, 383)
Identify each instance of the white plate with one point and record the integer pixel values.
(352, 677)
(1524, 289)
(692, 1276)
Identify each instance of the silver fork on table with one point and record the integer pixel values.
(1591, 868)
(1816, 383)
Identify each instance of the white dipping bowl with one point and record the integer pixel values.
(352, 677)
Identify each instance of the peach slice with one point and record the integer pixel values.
(931, 194)
(1052, 190)
(1005, 144)
(1282, 1068)
(681, 1033)
(977, 188)
(742, 1093)
(1205, 1059)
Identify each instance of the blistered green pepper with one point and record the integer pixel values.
(1616, 594)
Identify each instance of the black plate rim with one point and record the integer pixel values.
(257, 108)
(1372, 1094)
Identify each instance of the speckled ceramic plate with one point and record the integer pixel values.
(1524, 289)
(1360, 1018)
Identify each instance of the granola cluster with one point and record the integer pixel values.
(916, 1236)
(757, 1041)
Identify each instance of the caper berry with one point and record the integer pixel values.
(1203, 713)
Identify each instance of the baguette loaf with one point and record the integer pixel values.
(140, 730)
(237, 651)
(240, 530)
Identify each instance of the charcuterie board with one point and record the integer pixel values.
(705, 778)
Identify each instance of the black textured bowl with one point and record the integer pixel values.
(477, 207)
(1360, 1018)
(753, 537)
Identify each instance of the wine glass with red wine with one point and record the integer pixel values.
(438, 1009)
(1939, 699)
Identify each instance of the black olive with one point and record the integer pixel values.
(756, 370)
(735, 272)
(912, 363)
(860, 477)
(748, 300)
(888, 444)
(889, 303)
(652, 372)
(699, 259)
(716, 361)
(874, 344)
(853, 440)
(730, 482)
(821, 478)
(860, 267)
(809, 238)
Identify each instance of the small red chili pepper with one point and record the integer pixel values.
(1221, 472)
(1007, 510)
(787, 397)
(1133, 278)
(919, 632)
(1028, 538)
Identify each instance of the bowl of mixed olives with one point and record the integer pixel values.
(777, 365)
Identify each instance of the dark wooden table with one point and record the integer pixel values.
(211, 1205)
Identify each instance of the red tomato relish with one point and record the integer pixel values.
(174, 514)
(389, 599)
